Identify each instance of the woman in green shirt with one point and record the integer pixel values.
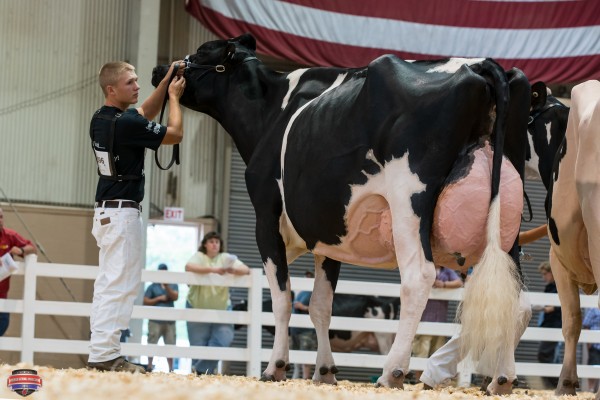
(210, 258)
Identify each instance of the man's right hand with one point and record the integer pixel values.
(177, 87)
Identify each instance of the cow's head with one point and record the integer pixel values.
(546, 128)
(208, 70)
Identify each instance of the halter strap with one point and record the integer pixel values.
(546, 107)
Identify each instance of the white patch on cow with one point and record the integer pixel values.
(454, 64)
(396, 182)
(548, 132)
(532, 170)
(372, 245)
(294, 78)
(280, 182)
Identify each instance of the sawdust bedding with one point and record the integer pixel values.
(76, 384)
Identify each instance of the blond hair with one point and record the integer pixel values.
(111, 72)
(544, 267)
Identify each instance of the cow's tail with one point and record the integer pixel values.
(490, 305)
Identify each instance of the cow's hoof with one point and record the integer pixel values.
(326, 375)
(267, 378)
(393, 380)
(276, 374)
(499, 387)
(324, 370)
(567, 387)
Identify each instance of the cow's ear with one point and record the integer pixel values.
(539, 95)
(248, 41)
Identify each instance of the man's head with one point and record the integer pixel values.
(162, 267)
(118, 81)
(308, 274)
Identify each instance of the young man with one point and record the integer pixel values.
(120, 136)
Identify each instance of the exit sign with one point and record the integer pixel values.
(173, 214)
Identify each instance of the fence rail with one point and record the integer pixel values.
(253, 354)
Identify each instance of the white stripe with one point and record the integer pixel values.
(411, 37)
(335, 84)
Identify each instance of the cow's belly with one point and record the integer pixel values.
(369, 241)
(572, 251)
(460, 216)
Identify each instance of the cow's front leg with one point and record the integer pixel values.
(417, 280)
(272, 250)
(321, 300)
(568, 294)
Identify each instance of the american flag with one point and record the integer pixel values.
(554, 41)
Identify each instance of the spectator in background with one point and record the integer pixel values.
(435, 311)
(592, 321)
(17, 246)
(210, 258)
(550, 317)
(161, 295)
(303, 338)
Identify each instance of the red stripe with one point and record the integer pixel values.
(312, 52)
(469, 13)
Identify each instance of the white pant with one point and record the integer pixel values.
(118, 233)
(443, 364)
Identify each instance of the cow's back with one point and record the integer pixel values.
(575, 207)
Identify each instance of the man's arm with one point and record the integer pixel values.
(172, 294)
(533, 234)
(175, 124)
(152, 301)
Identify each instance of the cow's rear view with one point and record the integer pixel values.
(349, 163)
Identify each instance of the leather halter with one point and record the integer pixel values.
(546, 107)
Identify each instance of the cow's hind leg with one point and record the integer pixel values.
(417, 281)
(502, 383)
(321, 300)
(568, 294)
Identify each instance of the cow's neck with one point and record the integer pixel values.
(252, 106)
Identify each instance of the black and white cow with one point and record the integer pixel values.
(546, 131)
(352, 164)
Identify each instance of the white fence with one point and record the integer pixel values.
(253, 354)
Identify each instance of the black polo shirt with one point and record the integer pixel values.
(133, 135)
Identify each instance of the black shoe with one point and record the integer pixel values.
(119, 364)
